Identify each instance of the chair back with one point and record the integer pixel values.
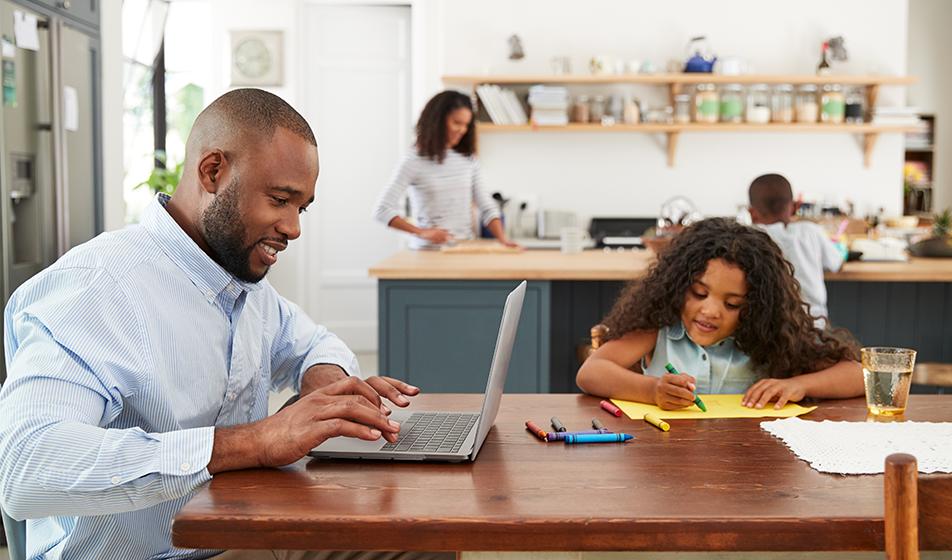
(918, 512)
(16, 536)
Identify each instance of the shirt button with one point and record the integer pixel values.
(185, 467)
(231, 396)
(114, 480)
(704, 357)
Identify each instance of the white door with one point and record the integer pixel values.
(356, 95)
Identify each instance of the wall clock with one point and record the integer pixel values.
(257, 58)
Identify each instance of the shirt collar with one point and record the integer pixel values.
(207, 275)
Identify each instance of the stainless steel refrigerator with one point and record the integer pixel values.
(50, 171)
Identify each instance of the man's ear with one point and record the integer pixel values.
(211, 168)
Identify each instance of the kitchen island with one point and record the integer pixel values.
(438, 313)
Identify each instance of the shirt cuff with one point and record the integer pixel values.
(184, 459)
(347, 362)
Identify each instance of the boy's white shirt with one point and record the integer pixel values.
(810, 251)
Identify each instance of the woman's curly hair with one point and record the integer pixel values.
(431, 127)
(775, 329)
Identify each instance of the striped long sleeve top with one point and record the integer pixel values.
(441, 195)
(122, 358)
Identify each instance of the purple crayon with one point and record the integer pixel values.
(559, 436)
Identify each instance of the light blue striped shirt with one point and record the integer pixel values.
(121, 359)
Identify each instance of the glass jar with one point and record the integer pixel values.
(832, 104)
(781, 104)
(596, 109)
(807, 109)
(732, 103)
(854, 105)
(682, 108)
(758, 104)
(580, 109)
(706, 101)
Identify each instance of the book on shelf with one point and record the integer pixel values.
(549, 105)
(501, 104)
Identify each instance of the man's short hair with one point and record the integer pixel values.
(770, 194)
(250, 111)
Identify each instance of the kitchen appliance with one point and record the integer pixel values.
(50, 160)
(620, 232)
(551, 223)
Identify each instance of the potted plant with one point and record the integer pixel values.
(940, 244)
(162, 179)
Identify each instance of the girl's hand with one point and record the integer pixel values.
(510, 243)
(674, 391)
(436, 236)
(766, 390)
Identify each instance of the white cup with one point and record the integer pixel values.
(573, 240)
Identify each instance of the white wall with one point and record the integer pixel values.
(929, 46)
(626, 174)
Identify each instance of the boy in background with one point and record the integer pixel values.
(805, 244)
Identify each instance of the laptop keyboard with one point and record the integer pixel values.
(434, 432)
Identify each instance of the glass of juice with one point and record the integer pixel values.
(887, 374)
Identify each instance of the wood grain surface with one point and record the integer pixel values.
(705, 485)
(600, 265)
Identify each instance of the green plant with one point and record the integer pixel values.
(942, 224)
(163, 179)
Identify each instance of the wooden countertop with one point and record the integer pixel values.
(600, 265)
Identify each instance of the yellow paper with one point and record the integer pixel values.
(718, 406)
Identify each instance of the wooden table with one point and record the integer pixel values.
(717, 485)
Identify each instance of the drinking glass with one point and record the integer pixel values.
(887, 375)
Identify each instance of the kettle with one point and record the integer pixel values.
(700, 58)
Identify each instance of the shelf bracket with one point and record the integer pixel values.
(672, 146)
(872, 92)
(869, 142)
(674, 90)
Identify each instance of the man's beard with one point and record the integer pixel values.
(224, 232)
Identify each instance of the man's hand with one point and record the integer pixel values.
(349, 407)
(394, 390)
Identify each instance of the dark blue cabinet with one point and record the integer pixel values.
(440, 335)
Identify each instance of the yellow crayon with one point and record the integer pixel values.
(657, 422)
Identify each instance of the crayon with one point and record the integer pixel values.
(557, 425)
(559, 436)
(610, 408)
(598, 438)
(597, 424)
(657, 422)
(536, 430)
(697, 399)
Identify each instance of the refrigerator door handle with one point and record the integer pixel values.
(60, 173)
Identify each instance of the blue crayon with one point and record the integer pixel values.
(559, 436)
(597, 438)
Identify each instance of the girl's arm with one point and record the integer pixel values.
(495, 227)
(842, 380)
(606, 372)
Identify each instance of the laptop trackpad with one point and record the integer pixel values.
(354, 445)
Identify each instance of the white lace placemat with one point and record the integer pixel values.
(862, 447)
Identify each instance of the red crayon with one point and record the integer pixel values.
(536, 430)
(610, 408)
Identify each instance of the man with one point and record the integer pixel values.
(140, 362)
(805, 244)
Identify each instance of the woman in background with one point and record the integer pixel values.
(442, 177)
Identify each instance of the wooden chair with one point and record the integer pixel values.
(937, 378)
(918, 510)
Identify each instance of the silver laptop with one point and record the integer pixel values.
(442, 436)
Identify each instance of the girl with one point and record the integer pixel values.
(442, 176)
(722, 305)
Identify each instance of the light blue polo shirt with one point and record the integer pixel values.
(720, 368)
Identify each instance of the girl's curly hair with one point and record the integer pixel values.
(775, 329)
(431, 127)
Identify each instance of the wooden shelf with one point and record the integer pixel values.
(869, 131)
(676, 84)
(861, 128)
(688, 78)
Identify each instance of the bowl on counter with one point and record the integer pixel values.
(903, 222)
